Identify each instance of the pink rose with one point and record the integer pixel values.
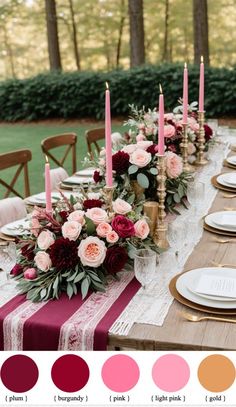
(144, 144)
(71, 230)
(191, 149)
(35, 226)
(121, 207)
(193, 124)
(92, 251)
(140, 137)
(169, 116)
(169, 131)
(103, 229)
(140, 158)
(97, 215)
(130, 148)
(141, 229)
(43, 261)
(45, 239)
(30, 274)
(174, 165)
(112, 237)
(77, 216)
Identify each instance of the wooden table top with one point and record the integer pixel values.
(176, 332)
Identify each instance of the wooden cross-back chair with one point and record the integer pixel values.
(92, 137)
(19, 158)
(66, 139)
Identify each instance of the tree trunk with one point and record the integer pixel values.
(52, 35)
(165, 56)
(200, 25)
(8, 47)
(74, 36)
(137, 48)
(122, 22)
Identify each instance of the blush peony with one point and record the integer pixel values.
(45, 239)
(77, 216)
(103, 229)
(71, 230)
(169, 131)
(144, 144)
(97, 215)
(112, 237)
(121, 207)
(142, 229)
(92, 251)
(42, 261)
(174, 165)
(140, 158)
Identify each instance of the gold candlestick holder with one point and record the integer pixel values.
(108, 196)
(160, 237)
(184, 148)
(150, 209)
(201, 140)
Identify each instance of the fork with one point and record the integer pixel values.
(224, 240)
(222, 265)
(195, 318)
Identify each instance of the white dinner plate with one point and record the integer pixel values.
(214, 220)
(227, 180)
(231, 160)
(17, 228)
(76, 180)
(40, 199)
(227, 219)
(86, 172)
(186, 282)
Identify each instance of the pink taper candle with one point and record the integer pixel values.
(161, 143)
(48, 187)
(108, 139)
(185, 95)
(201, 87)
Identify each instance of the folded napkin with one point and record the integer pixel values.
(227, 219)
(11, 209)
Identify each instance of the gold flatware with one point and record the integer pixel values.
(226, 208)
(229, 196)
(196, 318)
(223, 265)
(225, 240)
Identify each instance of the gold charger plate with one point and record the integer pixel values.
(193, 305)
(6, 237)
(226, 164)
(218, 231)
(221, 187)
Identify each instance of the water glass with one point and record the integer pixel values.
(145, 262)
(7, 258)
(196, 195)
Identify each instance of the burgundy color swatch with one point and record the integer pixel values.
(70, 373)
(19, 373)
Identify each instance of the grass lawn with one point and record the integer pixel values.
(17, 136)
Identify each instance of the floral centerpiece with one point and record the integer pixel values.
(78, 246)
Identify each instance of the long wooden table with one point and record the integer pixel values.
(176, 332)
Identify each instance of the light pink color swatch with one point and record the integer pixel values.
(120, 373)
(171, 373)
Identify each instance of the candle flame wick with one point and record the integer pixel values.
(185, 64)
(107, 86)
(202, 60)
(160, 88)
(46, 159)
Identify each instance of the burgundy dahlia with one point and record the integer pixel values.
(92, 203)
(17, 269)
(208, 132)
(115, 260)
(123, 226)
(27, 251)
(96, 176)
(120, 162)
(64, 215)
(64, 254)
(153, 149)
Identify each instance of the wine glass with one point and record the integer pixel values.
(196, 195)
(176, 234)
(145, 262)
(7, 258)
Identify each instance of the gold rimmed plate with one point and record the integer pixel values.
(216, 184)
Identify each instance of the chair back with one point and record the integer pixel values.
(92, 138)
(66, 139)
(19, 159)
(11, 209)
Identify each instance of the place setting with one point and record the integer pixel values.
(230, 162)
(84, 177)
(225, 182)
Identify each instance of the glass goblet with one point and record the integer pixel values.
(7, 258)
(145, 262)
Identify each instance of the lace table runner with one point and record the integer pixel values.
(152, 305)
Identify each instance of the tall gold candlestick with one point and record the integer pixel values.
(150, 209)
(184, 147)
(160, 237)
(201, 140)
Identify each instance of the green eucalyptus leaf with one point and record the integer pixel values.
(69, 290)
(85, 287)
(153, 171)
(143, 180)
(132, 169)
(90, 226)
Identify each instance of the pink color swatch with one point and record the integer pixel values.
(120, 373)
(170, 373)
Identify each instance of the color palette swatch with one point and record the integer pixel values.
(105, 378)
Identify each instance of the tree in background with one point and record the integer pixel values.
(121, 29)
(74, 35)
(137, 48)
(166, 52)
(52, 35)
(200, 25)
